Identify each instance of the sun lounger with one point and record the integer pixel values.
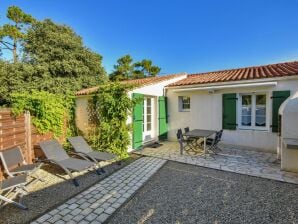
(12, 188)
(81, 147)
(15, 164)
(54, 153)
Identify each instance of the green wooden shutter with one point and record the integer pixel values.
(278, 97)
(229, 107)
(137, 136)
(163, 118)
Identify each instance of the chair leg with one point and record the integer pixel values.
(98, 171)
(10, 201)
(67, 171)
(75, 182)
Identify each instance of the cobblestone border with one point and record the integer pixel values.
(99, 202)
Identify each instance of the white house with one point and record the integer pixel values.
(149, 117)
(244, 102)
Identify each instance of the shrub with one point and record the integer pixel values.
(109, 110)
(50, 112)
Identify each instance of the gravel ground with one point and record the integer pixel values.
(56, 190)
(181, 193)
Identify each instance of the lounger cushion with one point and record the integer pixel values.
(12, 182)
(76, 164)
(25, 168)
(80, 145)
(101, 156)
(53, 150)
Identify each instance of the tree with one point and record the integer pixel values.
(146, 69)
(123, 69)
(61, 60)
(12, 34)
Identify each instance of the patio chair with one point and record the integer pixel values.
(55, 154)
(81, 147)
(188, 142)
(12, 188)
(210, 140)
(14, 164)
(213, 145)
(191, 139)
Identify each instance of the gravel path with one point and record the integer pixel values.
(181, 193)
(55, 191)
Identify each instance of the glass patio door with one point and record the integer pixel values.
(148, 119)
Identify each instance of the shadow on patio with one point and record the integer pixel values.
(232, 158)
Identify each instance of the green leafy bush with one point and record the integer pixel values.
(110, 109)
(50, 112)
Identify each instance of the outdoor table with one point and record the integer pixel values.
(199, 133)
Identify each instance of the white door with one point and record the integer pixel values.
(148, 119)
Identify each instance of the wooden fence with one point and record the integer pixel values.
(18, 131)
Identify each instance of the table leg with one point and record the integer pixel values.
(205, 147)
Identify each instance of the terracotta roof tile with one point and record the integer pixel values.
(248, 73)
(135, 82)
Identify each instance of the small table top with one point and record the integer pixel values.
(199, 133)
(291, 143)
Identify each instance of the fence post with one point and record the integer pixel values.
(28, 136)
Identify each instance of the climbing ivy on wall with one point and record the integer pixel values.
(50, 112)
(109, 109)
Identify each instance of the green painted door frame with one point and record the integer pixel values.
(163, 118)
(137, 121)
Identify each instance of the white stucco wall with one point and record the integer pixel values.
(81, 113)
(206, 113)
(153, 90)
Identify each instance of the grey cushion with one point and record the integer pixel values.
(13, 182)
(53, 150)
(80, 145)
(76, 164)
(101, 155)
(26, 168)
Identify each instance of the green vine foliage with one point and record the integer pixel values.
(50, 112)
(108, 111)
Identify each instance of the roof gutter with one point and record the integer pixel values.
(261, 84)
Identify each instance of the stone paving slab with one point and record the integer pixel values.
(231, 158)
(99, 202)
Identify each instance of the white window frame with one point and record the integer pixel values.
(253, 115)
(180, 104)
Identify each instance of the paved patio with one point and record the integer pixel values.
(100, 201)
(232, 158)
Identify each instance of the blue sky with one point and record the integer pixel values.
(179, 35)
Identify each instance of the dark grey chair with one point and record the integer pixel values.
(185, 143)
(212, 145)
(209, 141)
(14, 164)
(191, 140)
(81, 147)
(12, 188)
(186, 129)
(54, 153)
